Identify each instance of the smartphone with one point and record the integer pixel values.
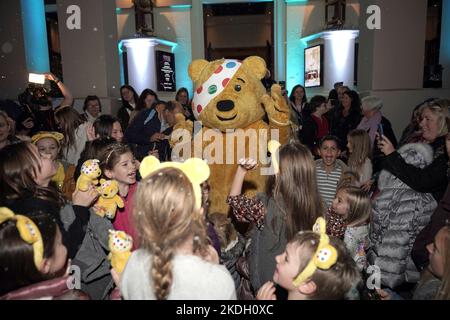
(380, 130)
(36, 78)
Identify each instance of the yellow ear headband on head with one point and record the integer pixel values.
(324, 257)
(274, 146)
(47, 134)
(28, 231)
(195, 169)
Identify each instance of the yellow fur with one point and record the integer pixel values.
(108, 200)
(59, 176)
(251, 104)
(119, 254)
(90, 171)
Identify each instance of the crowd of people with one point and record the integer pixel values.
(347, 197)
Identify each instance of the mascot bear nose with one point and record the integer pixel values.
(225, 105)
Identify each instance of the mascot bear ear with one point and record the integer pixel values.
(196, 67)
(257, 65)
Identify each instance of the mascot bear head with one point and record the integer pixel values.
(228, 92)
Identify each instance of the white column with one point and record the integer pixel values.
(339, 58)
(141, 63)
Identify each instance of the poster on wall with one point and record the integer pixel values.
(314, 66)
(165, 71)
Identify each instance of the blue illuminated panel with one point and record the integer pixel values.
(35, 35)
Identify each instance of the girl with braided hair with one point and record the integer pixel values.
(175, 260)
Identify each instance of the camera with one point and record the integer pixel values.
(39, 95)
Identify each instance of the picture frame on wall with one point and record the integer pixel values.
(314, 66)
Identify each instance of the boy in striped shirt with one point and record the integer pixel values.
(329, 168)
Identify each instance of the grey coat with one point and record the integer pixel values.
(398, 214)
(266, 244)
(92, 258)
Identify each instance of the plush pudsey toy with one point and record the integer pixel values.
(90, 171)
(120, 245)
(108, 200)
(230, 101)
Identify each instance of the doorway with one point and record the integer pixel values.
(239, 30)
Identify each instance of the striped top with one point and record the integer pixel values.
(327, 183)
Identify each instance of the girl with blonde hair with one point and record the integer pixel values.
(350, 213)
(359, 149)
(74, 127)
(172, 260)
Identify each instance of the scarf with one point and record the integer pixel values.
(150, 116)
(335, 224)
(371, 125)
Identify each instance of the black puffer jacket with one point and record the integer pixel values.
(431, 179)
(426, 236)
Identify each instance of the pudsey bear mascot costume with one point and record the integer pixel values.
(230, 103)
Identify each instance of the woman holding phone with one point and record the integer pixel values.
(433, 178)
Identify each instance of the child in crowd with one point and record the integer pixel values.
(435, 281)
(349, 178)
(129, 102)
(315, 125)
(93, 254)
(33, 260)
(171, 263)
(313, 267)
(359, 149)
(25, 177)
(232, 244)
(118, 162)
(48, 142)
(329, 168)
(212, 234)
(292, 204)
(107, 126)
(93, 150)
(348, 218)
(75, 130)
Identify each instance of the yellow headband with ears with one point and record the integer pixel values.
(47, 134)
(28, 231)
(197, 171)
(273, 146)
(324, 257)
